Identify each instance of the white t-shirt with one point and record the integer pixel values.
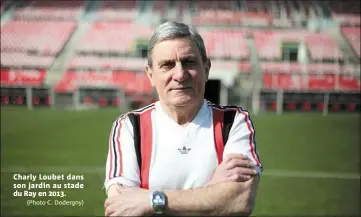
(180, 157)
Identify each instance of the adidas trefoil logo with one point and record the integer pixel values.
(184, 150)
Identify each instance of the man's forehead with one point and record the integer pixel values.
(175, 48)
(181, 58)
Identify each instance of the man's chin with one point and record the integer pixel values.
(182, 101)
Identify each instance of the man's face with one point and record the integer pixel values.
(178, 72)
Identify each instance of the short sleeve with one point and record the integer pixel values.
(242, 139)
(121, 165)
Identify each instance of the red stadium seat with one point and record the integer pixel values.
(321, 82)
(106, 63)
(320, 45)
(35, 100)
(226, 43)
(321, 106)
(47, 100)
(291, 106)
(110, 37)
(5, 100)
(48, 10)
(274, 106)
(306, 106)
(22, 59)
(88, 100)
(348, 83)
(351, 107)
(19, 100)
(116, 102)
(323, 46)
(22, 36)
(103, 101)
(335, 107)
(125, 10)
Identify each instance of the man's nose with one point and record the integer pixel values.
(180, 74)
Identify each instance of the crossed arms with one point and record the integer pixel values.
(231, 191)
(232, 198)
(232, 194)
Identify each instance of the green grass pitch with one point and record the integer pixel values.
(77, 142)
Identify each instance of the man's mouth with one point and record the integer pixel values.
(181, 88)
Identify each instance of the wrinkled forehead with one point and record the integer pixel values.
(175, 49)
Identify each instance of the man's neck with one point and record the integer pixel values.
(182, 114)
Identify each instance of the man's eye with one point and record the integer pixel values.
(190, 62)
(167, 65)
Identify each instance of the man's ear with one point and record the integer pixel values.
(149, 72)
(207, 67)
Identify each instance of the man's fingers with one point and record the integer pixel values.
(235, 156)
(233, 163)
(108, 201)
(239, 178)
(114, 214)
(232, 157)
(108, 211)
(111, 209)
(242, 171)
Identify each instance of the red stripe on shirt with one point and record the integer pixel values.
(117, 150)
(251, 142)
(120, 158)
(111, 152)
(218, 137)
(146, 146)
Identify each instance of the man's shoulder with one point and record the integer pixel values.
(138, 111)
(225, 107)
(142, 110)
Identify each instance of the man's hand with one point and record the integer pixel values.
(129, 202)
(234, 168)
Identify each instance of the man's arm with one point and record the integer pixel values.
(124, 200)
(121, 165)
(228, 198)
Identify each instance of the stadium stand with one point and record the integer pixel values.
(321, 46)
(226, 44)
(118, 10)
(41, 37)
(106, 63)
(277, 45)
(24, 60)
(346, 14)
(22, 77)
(159, 7)
(310, 77)
(50, 10)
(118, 37)
(228, 12)
(130, 82)
(73, 79)
(352, 35)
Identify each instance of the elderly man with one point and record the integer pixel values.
(177, 161)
